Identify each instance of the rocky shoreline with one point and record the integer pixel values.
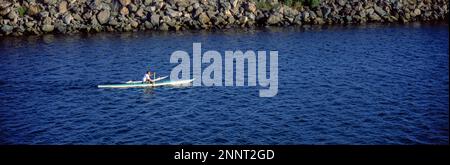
(36, 17)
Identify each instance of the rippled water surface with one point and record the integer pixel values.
(341, 85)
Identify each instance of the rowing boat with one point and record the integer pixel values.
(157, 79)
(143, 85)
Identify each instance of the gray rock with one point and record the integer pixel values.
(196, 5)
(133, 8)
(5, 4)
(171, 2)
(140, 12)
(289, 12)
(243, 20)
(4, 12)
(319, 21)
(198, 12)
(62, 7)
(428, 13)
(231, 20)
(319, 13)
(77, 17)
(47, 20)
(44, 14)
(12, 15)
(217, 20)
(47, 28)
(148, 25)
(61, 28)
(125, 2)
(29, 24)
(348, 18)
(137, 2)
(273, 19)
(134, 24)
(342, 2)
(369, 11)
(124, 11)
(298, 20)
(211, 13)
(103, 6)
(251, 17)
(50, 2)
(68, 18)
(189, 9)
(87, 15)
(152, 8)
(203, 18)
(103, 16)
(182, 4)
(164, 27)
(305, 15)
(148, 2)
(7, 29)
(113, 22)
(375, 17)
(312, 14)
(33, 10)
(167, 20)
(173, 13)
(154, 19)
(362, 13)
(417, 12)
(251, 7)
(380, 11)
(127, 28)
(234, 3)
(327, 12)
(94, 21)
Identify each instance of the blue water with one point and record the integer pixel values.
(339, 85)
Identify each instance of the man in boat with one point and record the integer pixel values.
(147, 78)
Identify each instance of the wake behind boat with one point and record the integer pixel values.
(140, 84)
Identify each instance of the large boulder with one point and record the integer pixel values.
(379, 11)
(203, 18)
(342, 2)
(68, 18)
(48, 28)
(173, 13)
(50, 2)
(140, 12)
(124, 11)
(13, 15)
(164, 27)
(5, 4)
(273, 19)
(375, 17)
(62, 7)
(289, 12)
(251, 7)
(7, 29)
(5, 11)
(154, 19)
(134, 23)
(125, 2)
(103, 16)
(148, 25)
(33, 10)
